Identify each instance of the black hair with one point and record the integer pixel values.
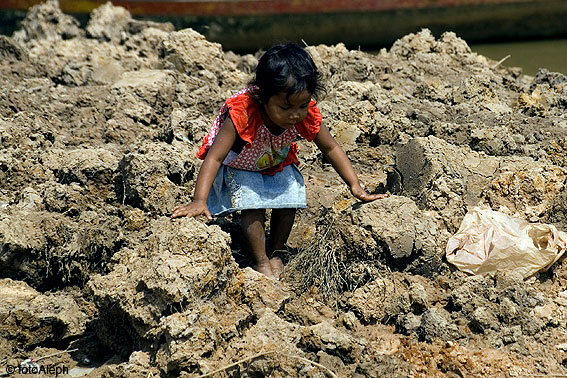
(286, 68)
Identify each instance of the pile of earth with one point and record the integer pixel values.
(98, 133)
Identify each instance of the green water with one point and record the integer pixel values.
(550, 54)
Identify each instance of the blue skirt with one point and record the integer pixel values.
(237, 189)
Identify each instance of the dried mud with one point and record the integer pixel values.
(98, 133)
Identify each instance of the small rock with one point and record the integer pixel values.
(410, 323)
(546, 311)
(324, 336)
(484, 319)
(435, 324)
(350, 320)
(562, 347)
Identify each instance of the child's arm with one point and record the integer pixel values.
(215, 156)
(338, 159)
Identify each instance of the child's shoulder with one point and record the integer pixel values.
(242, 99)
(245, 94)
(244, 110)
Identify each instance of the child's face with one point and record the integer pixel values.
(285, 111)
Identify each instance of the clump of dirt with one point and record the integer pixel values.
(98, 133)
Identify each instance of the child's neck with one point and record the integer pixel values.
(270, 125)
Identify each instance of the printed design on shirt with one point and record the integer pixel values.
(266, 150)
(271, 157)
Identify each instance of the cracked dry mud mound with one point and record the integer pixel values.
(98, 133)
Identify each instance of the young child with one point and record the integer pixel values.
(250, 160)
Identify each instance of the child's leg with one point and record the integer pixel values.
(252, 222)
(280, 228)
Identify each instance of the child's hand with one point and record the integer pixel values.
(361, 194)
(192, 210)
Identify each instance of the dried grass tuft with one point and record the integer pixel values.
(329, 263)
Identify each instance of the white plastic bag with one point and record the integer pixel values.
(489, 240)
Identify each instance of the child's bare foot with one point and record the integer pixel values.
(265, 268)
(277, 266)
